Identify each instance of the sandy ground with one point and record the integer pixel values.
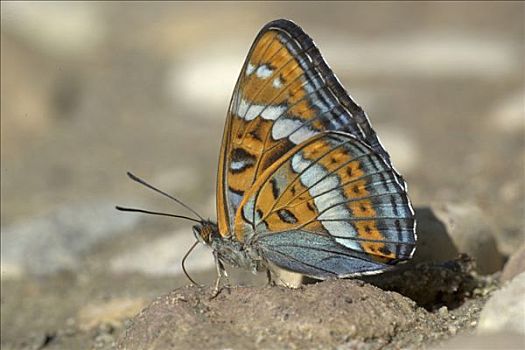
(91, 90)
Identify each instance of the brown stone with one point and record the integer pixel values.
(271, 317)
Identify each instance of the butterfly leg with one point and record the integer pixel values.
(270, 281)
(221, 271)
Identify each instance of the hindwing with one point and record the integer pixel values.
(331, 185)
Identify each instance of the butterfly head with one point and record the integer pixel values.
(205, 231)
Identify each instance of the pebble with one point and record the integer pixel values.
(515, 265)
(470, 231)
(103, 340)
(505, 310)
(443, 311)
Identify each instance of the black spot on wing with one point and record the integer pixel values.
(275, 188)
(287, 216)
(310, 206)
(256, 134)
(282, 79)
(241, 160)
(394, 205)
(384, 181)
(235, 191)
(399, 236)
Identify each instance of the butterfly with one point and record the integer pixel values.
(303, 180)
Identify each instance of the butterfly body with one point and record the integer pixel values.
(228, 249)
(303, 181)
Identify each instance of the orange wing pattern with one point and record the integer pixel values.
(332, 185)
(285, 94)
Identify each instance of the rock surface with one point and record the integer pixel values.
(515, 265)
(505, 310)
(472, 232)
(273, 318)
(334, 313)
(509, 341)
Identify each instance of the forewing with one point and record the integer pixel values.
(285, 94)
(336, 186)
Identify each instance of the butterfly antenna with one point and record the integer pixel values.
(144, 183)
(184, 261)
(155, 213)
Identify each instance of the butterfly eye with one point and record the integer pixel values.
(197, 232)
(202, 233)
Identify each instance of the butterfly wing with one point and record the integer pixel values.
(285, 94)
(331, 206)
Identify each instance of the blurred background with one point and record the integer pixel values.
(90, 90)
